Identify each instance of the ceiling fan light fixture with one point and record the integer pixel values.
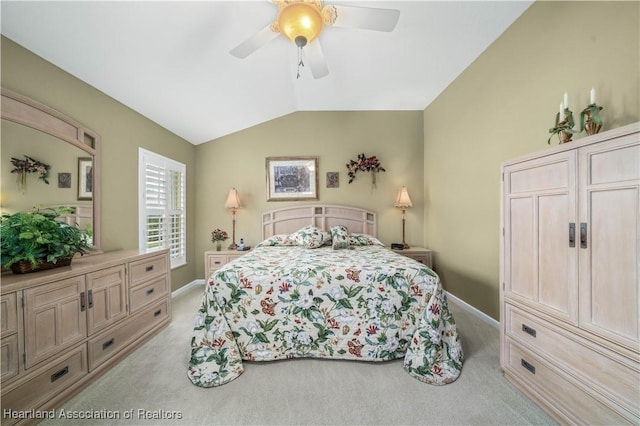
(301, 19)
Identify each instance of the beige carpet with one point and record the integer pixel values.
(299, 392)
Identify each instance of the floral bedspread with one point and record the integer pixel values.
(362, 303)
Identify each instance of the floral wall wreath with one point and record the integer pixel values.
(29, 165)
(365, 164)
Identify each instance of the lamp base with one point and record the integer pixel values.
(405, 246)
(233, 246)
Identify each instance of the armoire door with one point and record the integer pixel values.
(540, 265)
(609, 194)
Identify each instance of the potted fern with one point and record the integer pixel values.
(34, 240)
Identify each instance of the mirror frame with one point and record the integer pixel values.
(23, 110)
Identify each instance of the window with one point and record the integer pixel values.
(162, 207)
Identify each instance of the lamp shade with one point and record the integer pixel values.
(233, 200)
(403, 200)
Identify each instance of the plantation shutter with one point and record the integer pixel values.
(162, 205)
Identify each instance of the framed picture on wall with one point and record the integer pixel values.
(292, 178)
(85, 178)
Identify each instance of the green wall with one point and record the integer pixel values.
(122, 131)
(238, 160)
(502, 107)
(448, 155)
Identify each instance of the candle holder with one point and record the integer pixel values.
(564, 135)
(590, 119)
(563, 128)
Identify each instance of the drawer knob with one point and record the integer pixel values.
(151, 290)
(55, 376)
(529, 330)
(217, 262)
(149, 268)
(157, 313)
(528, 366)
(108, 343)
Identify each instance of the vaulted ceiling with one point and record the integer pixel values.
(170, 61)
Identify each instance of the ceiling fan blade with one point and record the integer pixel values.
(254, 42)
(366, 18)
(315, 58)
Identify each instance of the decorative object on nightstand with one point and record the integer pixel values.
(233, 203)
(590, 116)
(564, 122)
(403, 201)
(217, 237)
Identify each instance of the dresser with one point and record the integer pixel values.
(64, 327)
(569, 299)
(421, 254)
(214, 259)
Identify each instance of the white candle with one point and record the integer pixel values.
(561, 112)
(592, 98)
(566, 100)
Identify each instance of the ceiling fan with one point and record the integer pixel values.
(301, 21)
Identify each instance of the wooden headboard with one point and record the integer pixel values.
(324, 216)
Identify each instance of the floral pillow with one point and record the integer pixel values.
(340, 237)
(309, 237)
(278, 240)
(363, 240)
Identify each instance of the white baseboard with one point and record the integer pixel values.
(467, 307)
(186, 287)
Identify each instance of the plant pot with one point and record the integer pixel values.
(24, 267)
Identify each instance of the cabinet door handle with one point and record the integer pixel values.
(583, 235)
(529, 330)
(151, 290)
(528, 366)
(55, 376)
(83, 303)
(90, 297)
(572, 235)
(108, 343)
(149, 268)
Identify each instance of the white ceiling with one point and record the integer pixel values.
(170, 60)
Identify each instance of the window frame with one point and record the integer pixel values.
(164, 208)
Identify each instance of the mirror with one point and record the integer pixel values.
(32, 131)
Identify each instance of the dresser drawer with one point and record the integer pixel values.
(108, 344)
(8, 314)
(48, 381)
(612, 374)
(556, 389)
(9, 356)
(142, 295)
(143, 270)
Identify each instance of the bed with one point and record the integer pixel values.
(321, 285)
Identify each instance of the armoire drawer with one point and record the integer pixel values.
(145, 269)
(48, 381)
(143, 295)
(607, 371)
(108, 344)
(557, 389)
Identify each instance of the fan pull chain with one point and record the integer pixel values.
(300, 63)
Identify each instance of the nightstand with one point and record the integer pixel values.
(421, 254)
(214, 259)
